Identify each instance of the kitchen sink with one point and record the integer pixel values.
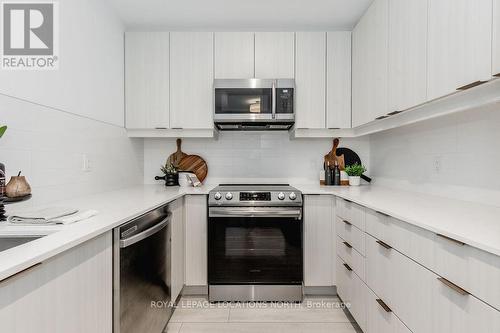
(8, 242)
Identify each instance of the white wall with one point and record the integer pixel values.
(57, 117)
(466, 144)
(89, 81)
(252, 156)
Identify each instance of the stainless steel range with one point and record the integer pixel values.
(255, 243)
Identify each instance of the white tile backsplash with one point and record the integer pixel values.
(252, 156)
(48, 146)
(464, 144)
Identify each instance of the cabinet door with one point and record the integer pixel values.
(496, 38)
(274, 55)
(196, 240)
(234, 55)
(380, 320)
(407, 53)
(71, 292)
(147, 80)
(319, 238)
(370, 64)
(310, 78)
(338, 79)
(191, 80)
(177, 273)
(459, 44)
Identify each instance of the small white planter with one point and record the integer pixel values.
(354, 181)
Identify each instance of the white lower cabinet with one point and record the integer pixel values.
(319, 232)
(71, 292)
(177, 257)
(380, 319)
(196, 234)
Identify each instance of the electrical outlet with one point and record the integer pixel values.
(437, 164)
(86, 164)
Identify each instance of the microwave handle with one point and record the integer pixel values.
(274, 99)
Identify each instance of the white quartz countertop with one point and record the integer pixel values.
(472, 223)
(115, 208)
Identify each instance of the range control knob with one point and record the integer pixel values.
(281, 196)
(292, 196)
(229, 196)
(217, 196)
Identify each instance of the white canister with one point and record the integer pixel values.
(184, 179)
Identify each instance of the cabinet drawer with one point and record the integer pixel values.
(351, 234)
(380, 319)
(414, 242)
(351, 212)
(353, 292)
(352, 257)
(474, 270)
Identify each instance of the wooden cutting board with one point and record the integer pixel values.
(194, 164)
(176, 157)
(331, 157)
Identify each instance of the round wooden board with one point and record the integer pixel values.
(194, 164)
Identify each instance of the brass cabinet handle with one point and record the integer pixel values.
(347, 245)
(384, 214)
(393, 113)
(384, 245)
(24, 271)
(451, 239)
(381, 117)
(497, 75)
(160, 128)
(347, 222)
(453, 286)
(348, 267)
(349, 201)
(471, 85)
(383, 305)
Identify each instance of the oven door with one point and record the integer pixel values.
(252, 246)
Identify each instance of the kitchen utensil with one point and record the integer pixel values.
(194, 164)
(176, 157)
(333, 156)
(350, 158)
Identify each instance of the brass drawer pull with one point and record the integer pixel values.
(451, 239)
(471, 85)
(453, 287)
(383, 305)
(383, 214)
(24, 271)
(497, 75)
(384, 245)
(381, 117)
(349, 201)
(160, 128)
(347, 222)
(347, 245)
(348, 267)
(393, 113)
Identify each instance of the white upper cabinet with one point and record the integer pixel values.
(310, 78)
(234, 55)
(191, 80)
(274, 55)
(496, 37)
(370, 64)
(147, 80)
(338, 77)
(459, 44)
(407, 53)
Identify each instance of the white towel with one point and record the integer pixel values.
(52, 215)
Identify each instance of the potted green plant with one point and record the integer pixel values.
(171, 175)
(354, 172)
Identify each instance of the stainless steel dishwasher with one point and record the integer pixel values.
(141, 273)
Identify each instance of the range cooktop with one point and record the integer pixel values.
(255, 195)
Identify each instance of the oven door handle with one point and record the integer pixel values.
(279, 212)
(146, 233)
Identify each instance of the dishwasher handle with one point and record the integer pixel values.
(146, 233)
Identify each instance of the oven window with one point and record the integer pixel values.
(255, 250)
(243, 101)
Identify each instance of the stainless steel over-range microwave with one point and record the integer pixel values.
(254, 104)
